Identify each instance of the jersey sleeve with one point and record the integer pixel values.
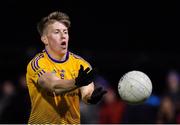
(85, 64)
(80, 61)
(36, 68)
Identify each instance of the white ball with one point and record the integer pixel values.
(134, 87)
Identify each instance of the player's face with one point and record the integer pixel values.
(57, 38)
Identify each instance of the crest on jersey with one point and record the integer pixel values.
(62, 73)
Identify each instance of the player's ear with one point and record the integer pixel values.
(44, 39)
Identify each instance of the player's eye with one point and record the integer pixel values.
(56, 31)
(65, 32)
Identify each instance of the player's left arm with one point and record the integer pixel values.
(86, 92)
(92, 95)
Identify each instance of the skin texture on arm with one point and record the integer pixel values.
(51, 82)
(86, 92)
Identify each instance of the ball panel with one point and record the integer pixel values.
(142, 85)
(134, 87)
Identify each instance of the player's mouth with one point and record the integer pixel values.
(63, 45)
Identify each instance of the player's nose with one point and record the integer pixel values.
(62, 35)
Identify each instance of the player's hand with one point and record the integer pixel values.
(97, 95)
(85, 77)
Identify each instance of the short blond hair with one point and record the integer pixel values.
(51, 18)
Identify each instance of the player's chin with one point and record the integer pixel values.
(64, 50)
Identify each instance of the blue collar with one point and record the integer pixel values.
(57, 61)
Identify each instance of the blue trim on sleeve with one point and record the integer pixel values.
(32, 66)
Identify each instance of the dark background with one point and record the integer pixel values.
(114, 36)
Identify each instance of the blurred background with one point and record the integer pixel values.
(115, 37)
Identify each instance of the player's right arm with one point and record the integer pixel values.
(53, 83)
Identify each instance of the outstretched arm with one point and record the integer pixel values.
(92, 95)
(86, 92)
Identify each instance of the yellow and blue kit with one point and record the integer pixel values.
(47, 107)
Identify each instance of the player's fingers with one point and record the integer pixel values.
(91, 72)
(81, 68)
(90, 75)
(87, 69)
(97, 90)
(103, 92)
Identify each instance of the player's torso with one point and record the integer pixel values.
(52, 108)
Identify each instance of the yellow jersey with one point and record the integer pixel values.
(47, 107)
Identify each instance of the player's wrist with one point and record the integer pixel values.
(97, 95)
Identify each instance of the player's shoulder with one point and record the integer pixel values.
(39, 57)
(75, 56)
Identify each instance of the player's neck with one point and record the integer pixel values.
(55, 56)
